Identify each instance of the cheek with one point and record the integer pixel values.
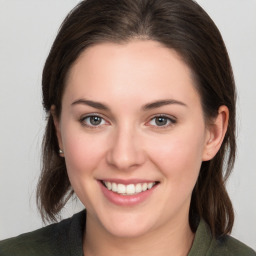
(83, 154)
(179, 156)
(82, 151)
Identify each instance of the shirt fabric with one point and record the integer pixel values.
(66, 237)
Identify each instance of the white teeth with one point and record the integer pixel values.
(108, 184)
(150, 185)
(138, 188)
(129, 189)
(121, 189)
(114, 187)
(144, 186)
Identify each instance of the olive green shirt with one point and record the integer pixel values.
(65, 239)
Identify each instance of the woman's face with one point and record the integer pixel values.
(133, 135)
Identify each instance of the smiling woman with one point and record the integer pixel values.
(113, 149)
(141, 119)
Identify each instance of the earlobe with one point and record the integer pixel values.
(57, 129)
(215, 133)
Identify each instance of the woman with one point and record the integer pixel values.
(141, 127)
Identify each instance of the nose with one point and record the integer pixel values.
(125, 150)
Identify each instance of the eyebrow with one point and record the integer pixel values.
(160, 103)
(91, 103)
(152, 105)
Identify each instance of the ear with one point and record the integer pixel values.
(57, 128)
(216, 131)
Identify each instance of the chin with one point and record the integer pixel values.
(127, 225)
(124, 231)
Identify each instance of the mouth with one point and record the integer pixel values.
(128, 189)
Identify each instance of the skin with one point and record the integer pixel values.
(129, 144)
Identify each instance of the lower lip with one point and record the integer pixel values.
(128, 200)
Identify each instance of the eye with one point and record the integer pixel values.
(162, 121)
(93, 121)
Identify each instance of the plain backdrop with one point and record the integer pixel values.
(27, 30)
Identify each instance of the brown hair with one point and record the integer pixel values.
(181, 25)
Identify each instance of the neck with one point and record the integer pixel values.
(175, 239)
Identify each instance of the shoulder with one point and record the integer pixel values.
(206, 245)
(39, 242)
(50, 240)
(228, 245)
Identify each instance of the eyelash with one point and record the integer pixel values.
(171, 121)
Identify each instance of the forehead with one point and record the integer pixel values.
(138, 69)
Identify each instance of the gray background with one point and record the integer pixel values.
(27, 30)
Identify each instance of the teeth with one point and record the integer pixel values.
(150, 185)
(121, 189)
(129, 189)
(109, 185)
(144, 186)
(138, 188)
(114, 187)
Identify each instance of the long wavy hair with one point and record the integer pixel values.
(181, 25)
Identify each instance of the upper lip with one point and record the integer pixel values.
(128, 181)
